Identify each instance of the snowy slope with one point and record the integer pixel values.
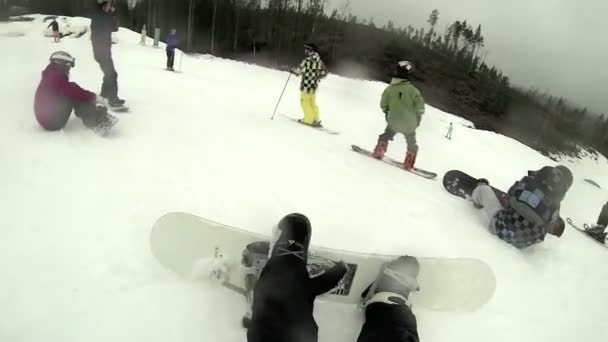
(77, 209)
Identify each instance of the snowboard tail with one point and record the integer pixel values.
(196, 248)
(462, 185)
(417, 171)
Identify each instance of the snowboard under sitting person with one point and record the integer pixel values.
(403, 107)
(533, 207)
(56, 97)
(284, 294)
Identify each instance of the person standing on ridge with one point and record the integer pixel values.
(312, 69)
(403, 107)
(103, 24)
(54, 25)
(171, 46)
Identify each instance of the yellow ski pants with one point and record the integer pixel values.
(308, 101)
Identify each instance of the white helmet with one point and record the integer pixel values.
(63, 58)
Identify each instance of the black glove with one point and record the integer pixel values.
(340, 268)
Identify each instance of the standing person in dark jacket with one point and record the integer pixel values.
(598, 231)
(56, 98)
(533, 209)
(602, 220)
(103, 24)
(171, 45)
(54, 25)
(284, 295)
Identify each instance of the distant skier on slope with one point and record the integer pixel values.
(284, 295)
(54, 25)
(533, 210)
(171, 46)
(103, 24)
(312, 69)
(56, 98)
(403, 107)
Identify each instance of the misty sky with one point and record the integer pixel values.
(557, 45)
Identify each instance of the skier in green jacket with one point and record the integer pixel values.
(403, 107)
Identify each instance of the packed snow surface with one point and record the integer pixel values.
(76, 209)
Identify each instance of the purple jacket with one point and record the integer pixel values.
(171, 42)
(54, 86)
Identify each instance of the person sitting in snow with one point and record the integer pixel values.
(171, 46)
(403, 107)
(54, 25)
(598, 231)
(284, 294)
(312, 69)
(533, 206)
(56, 97)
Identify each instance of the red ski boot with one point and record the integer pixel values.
(380, 149)
(410, 160)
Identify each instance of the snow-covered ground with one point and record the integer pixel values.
(76, 209)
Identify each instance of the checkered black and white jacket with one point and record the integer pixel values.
(312, 70)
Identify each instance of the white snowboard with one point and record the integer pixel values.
(196, 248)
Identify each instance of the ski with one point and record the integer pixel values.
(319, 128)
(583, 231)
(417, 171)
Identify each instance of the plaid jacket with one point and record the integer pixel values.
(517, 230)
(520, 228)
(312, 70)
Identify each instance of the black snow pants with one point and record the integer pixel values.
(170, 59)
(283, 301)
(103, 56)
(388, 323)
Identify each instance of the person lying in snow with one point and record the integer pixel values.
(533, 208)
(56, 97)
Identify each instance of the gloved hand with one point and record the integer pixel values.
(340, 268)
(101, 102)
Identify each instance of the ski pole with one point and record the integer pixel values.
(180, 61)
(280, 97)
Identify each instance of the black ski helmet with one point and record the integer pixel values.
(310, 48)
(557, 180)
(63, 58)
(403, 69)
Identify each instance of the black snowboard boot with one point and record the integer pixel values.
(116, 102)
(291, 237)
(396, 279)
